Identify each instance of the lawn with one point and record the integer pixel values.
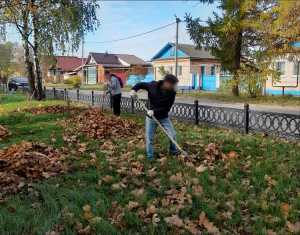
(249, 186)
(96, 87)
(287, 100)
(10, 102)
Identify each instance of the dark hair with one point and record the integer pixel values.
(107, 72)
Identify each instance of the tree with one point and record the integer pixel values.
(234, 38)
(162, 71)
(138, 73)
(47, 26)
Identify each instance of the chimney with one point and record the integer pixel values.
(106, 53)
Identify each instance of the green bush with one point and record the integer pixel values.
(67, 81)
(76, 82)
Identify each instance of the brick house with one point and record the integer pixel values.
(63, 68)
(97, 63)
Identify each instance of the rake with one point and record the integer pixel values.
(157, 122)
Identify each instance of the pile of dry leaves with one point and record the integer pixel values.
(4, 132)
(29, 160)
(98, 125)
(52, 109)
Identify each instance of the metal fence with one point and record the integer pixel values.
(241, 120)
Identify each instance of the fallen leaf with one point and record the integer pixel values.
(155, 220)
(164, 203)
(86, 208)
(84, 231)
(11, 209)
(132, 205)
(96, 219)
(285, 209)
(174, 220)
(87, 215)
(201, 168)
(271, 232)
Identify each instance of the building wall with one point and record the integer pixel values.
(184, 79)
(195, 64)
(289, 79)
(188, 67)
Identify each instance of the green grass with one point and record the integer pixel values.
(86, 87)
(42, 208)
(19, 101)
(287, 100)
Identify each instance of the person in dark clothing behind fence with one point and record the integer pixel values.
(114, 88)
(161, 96)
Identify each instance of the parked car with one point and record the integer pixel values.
(15, 82)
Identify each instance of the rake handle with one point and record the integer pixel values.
(174, 142)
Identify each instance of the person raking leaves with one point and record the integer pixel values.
(115, 86)
(161, 96)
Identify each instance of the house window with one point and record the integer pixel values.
(213, 70)
(172, 51)
(150, 70)
(170, 70)
(179, 71)
(295, 68)
(51, 73)
(280, 66)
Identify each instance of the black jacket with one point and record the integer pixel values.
(158, 101)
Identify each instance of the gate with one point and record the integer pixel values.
(209, 82)
(195, 81)
(91, 75)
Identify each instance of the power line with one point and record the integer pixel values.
(135, 35)
(136, 45)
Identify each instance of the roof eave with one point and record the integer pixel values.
(152, 59)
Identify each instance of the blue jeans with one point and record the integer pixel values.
(151, 126)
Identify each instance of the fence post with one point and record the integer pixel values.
(54, 93)
(92, 98)
(132, 105)
(196, 112)
(246, 119)
(77, 95)
(65, 94)
(45, 91)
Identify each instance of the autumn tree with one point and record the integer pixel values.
(46, 26)
(234, 38)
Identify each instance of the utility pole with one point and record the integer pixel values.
(82, 68)
(176, 46)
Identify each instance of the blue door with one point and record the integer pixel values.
(195, 82)
(209, 82)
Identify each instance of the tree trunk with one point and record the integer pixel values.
(28, 63)
(237, 62)
(37, 70)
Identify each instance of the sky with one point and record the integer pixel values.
(120, 19)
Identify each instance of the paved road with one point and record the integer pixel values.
(255, 107)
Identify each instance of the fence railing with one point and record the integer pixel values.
(241, 120)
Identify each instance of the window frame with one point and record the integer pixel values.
(211, 70)
(294, 70)
(172, 51)
(280, 61)
(170, 66)
(180, 76)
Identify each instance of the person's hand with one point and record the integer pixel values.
(132, 93)
(150, 113)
